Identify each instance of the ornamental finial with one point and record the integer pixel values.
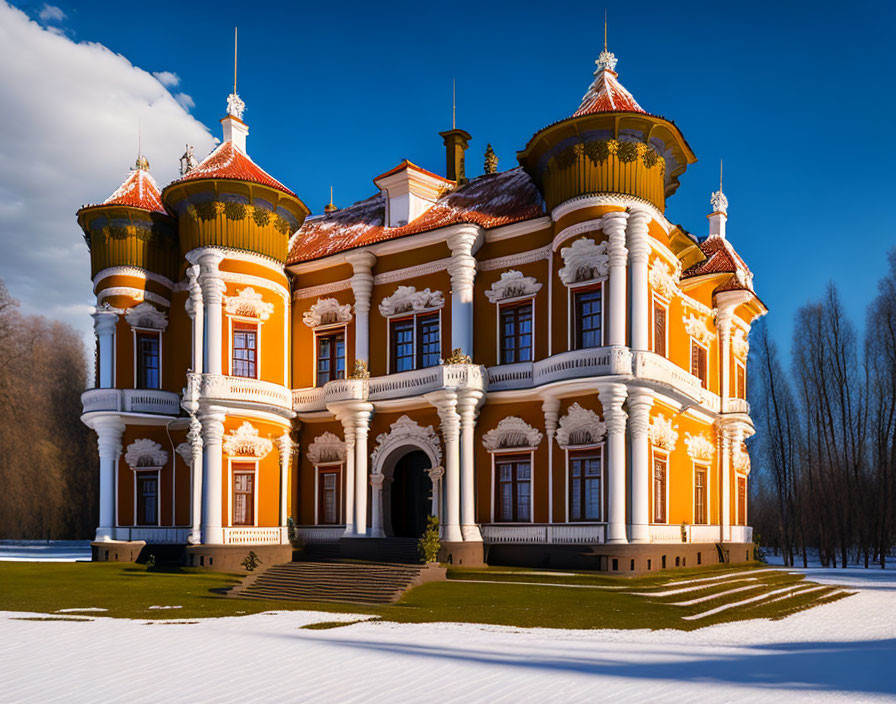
(717, 200)
(607, 60)
(235, 105)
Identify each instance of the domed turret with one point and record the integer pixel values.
(229, 201)
(610, 144)
(131, 227)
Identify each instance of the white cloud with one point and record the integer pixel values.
(185, 101)
(167, 78)
(51, 13)
(71, 113)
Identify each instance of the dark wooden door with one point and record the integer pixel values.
(411, 502)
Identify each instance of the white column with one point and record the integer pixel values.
(614, 226)
(640, 401)
(725, 472)
(195, 310)
(435, 476)
(284, 445)
(551, 408)
(468, 403)
(462, 270)
(376, 505)
(348, 429)
(612, 396)
(362, 412)
(194, 437)
(109, 431)
(362, 287)
(212, 479)
(724, 315)
(446, 403)
(638, 254)
(213, 296)
(105, 318)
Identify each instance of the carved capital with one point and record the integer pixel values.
(614, 225)
(109, 431)
(212, 429)
(640, 401)
(612, 396)
(550, 406)
(105, 318)
(376, 481)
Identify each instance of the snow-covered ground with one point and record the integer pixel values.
(840, 652)
(44, 551)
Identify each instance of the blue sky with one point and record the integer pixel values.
(797, 98)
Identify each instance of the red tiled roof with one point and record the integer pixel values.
(489, 201)
(606, 94)
(405, 164)
(228, 162)
(139, 190)
(720, 258)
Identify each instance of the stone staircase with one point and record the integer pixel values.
(351, 582)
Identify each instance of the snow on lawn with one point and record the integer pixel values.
(843, 651)
(44, 550)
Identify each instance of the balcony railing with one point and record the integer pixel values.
(574, 364)
(556, 534)
(653, 367)
(218, 387)
(672, 533)
(254, 536)
(737, 405)
(153, 401)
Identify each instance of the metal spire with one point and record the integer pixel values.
(453, 103)
(234, 58)
(235, 105)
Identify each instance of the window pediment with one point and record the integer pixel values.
(511, 433)
(696, 328)
(580, 426)
(326, 448)
(512, 284)
(245, 442)
(584, 260)
(326, 312)
(663, 279)
(700, 447)
(408, 299)
(662, 433)
(248, 302)
(145, 315)
(145, 453)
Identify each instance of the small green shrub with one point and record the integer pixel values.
(429, 543)
(251, 562)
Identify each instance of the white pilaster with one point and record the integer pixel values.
(462, 269)
(348, 429)
(723, 327)
(551, 408)
(195, 310)
(435, 476)
(194, 437)
(725, 471)
(362, 287)
(109, 431)
(284, 445)
(468, 403)
(105, 319)
(640, 401)
(362, 413)
(614, 225)
(376, 505)
(446, 403)
(638, 253)
(612, 396)
(212, 475)
(213, 296)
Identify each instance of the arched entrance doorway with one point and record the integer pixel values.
(409, 495)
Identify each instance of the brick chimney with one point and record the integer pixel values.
(456, 143)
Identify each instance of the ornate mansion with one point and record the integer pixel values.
(537, 356)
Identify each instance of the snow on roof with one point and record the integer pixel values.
(720, 259)
(606, 94)
(139, 190)
(228, 162)
(405, 164)
(491, 200)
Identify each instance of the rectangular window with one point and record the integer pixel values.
(741, 501)
(243, 497)
(328, 495)
(245, 350)
(430, 348)
(659, 489)
(698, 362)
(513, 495)
(585, 487)
(740, 380)
(700, 511)
(330, 357)
(588, 306)
(516, 333)
(659, 329)
(147, 498)
(148, 372)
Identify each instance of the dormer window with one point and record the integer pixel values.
(409, 192)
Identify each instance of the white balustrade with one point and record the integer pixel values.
(101, 400)
(252, 536)
(131, 401)
(556, 534)
(741, 534)
(320, 534)
(236, 388)
(412, 383)
(737, 405)
(152, 534)
(692, 534)
(310, 399)
(667, 533)
(651, 366)
(597, 361)
(704, 534)
(510, 376)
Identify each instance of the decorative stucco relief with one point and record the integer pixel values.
(146, 315)
(326, 448)
(145, 453)
(326, 312)
(580, 426)
(248, 302)
(245, 442)
(512, 284)
(511, 433)
(583, 261)
(407, 299)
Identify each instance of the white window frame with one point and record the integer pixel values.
(663, 303)
(737, 517)
(604, 509)
(324, 330)
(740, 366)
(571, 290)
(134, 332)
(654, 452)
(247, 321)
(513, 302)
(706, 467)
(695, 341)
(340, 499)
(411, 314)
(158, 472)
(514, 451)
(230, 463)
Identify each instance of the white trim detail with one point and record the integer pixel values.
(322, 290)
(244, 442)
(664, 279)
(145, 454)
(405, 431)
(740, 458)
(408, 299)
(580, 427)
(612, 199)
(326, 449)
(412, 272)
(512, 284)
(740, 346)
(696, 328)
(185, 450)
(700, 447)
(138, 294)
(662, 433)
(234, 278)
(327, 311)
(249, 303)
(584, 261)
(511, 433)
(534, 255)
(145, 315)
(134, 272)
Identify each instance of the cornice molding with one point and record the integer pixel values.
(613, 199)
(137, 294)
(533, 255)
(132, 271)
